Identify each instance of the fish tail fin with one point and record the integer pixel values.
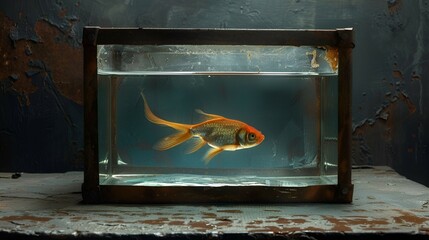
(157, 120)
(172, 140)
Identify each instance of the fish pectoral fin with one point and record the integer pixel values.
(211, 154)
(197, 143)
(208, 115)
(172, 140)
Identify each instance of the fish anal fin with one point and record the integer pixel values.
(197, 143)
(208, 115)
(172, 140)
(211, 154)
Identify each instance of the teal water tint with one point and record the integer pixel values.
(297, 115)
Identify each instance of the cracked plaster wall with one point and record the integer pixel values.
(41, 113)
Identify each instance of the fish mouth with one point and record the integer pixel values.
(262, 138)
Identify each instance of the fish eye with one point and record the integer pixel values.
(251, 136)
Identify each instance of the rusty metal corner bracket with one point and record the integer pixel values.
(346, 37)
(90, 35)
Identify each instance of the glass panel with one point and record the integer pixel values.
(104, 141)
(329, 120)
(289, 94)
(186, 59)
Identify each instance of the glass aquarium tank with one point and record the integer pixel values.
(217, 116)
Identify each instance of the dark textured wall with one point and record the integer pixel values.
(41, 113)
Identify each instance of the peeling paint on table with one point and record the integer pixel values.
(385, 204)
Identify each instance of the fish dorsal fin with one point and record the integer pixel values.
(208, 115)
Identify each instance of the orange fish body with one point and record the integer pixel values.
(220, 133)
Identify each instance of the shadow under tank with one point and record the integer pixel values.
(289, 94)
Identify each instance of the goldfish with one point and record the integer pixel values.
(220, 133)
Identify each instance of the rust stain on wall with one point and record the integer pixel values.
(14, 60)
(64, 60)
(393, 6)
(415, 76)
(397, 74)
(61, 59)
(404, 97)
(384, 112)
